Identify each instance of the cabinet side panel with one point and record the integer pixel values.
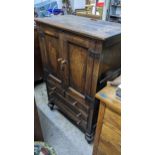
(111, 58)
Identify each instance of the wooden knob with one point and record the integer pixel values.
(59, 59)
(74, 103)
(63, 62)
(78, 122)
(78, 115)
(54, 88)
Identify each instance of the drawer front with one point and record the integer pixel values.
(71, 107)
(76, 104)
(73, 114)
(54, 85)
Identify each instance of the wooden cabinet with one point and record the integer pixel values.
(76, 61)
(108, 132)
(38, 70)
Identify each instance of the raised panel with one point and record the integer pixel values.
(52, 46)
(77, 57)
(43, 49)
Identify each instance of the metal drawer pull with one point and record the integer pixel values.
(78, 122)
(74, 103)
(78, 115)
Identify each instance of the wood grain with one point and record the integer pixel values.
(38, 68)
(108, 133)
(77, 67)
(96, 29)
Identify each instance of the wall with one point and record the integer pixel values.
(78, 4)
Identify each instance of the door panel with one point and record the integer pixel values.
(77, 67)
(52, 46)
(43, 49)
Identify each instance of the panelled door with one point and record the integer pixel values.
(51, 52)
(77, 65)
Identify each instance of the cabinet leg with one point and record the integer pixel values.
(89, 137)
(51, 105)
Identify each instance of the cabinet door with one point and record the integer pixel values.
(51, 52)
(52, 46)
(77, 65)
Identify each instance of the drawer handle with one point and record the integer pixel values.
(74, 103)
(78, 122)
(78, 115)
(52, 90)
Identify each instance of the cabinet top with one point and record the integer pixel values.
(107, 96)
(86, 26)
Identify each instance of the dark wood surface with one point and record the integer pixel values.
(75, 66)
(38, 69)
(38, 136)
(86, 26)
(108, 132)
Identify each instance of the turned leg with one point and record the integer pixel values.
(92, 119)
(89, 137)
(51, 104)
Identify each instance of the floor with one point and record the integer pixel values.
(58, 131)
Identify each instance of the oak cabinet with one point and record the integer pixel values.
(76, 64)
(108, 131)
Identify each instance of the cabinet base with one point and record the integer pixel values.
(51, 105)
(89, 137)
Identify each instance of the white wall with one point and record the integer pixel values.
(78, 4)
(59, 3)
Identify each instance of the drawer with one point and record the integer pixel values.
(54, 85)
(65, 107)
(66, 103)
(75, 104)
(79, 108)
(82, 103)
(71, 104)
